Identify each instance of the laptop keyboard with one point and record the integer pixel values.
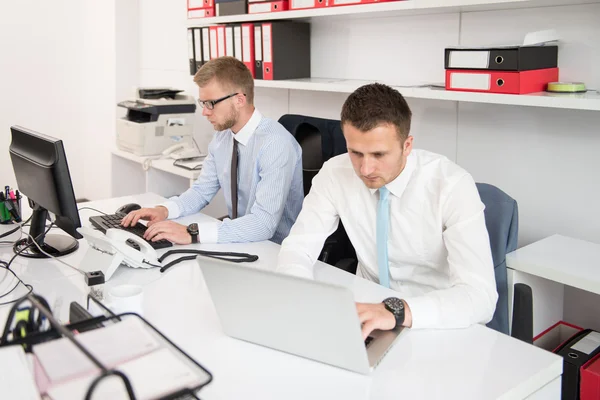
(368, 340)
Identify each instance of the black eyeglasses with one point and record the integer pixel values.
(210, 104)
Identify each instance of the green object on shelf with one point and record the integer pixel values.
(566, 87)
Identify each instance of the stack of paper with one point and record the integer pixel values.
(16, 380)
(111, 345)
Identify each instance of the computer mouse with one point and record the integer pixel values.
(127, 208)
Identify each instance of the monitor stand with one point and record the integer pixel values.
(55, 245)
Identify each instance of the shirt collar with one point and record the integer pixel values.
(244, 135)
(397, 186)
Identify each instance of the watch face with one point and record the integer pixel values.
(193, 229)
(396, 306)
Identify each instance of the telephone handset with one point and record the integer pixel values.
(111, 249)
(181, 150)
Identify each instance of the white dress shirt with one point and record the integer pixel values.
(438, 246)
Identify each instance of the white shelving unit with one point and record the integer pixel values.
(561, 271)
(386, 9)
(580, 101)
(132, 174)
(560, 259)
(576, 101)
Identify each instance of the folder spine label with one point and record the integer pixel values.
(205, 44)
(237, 42)
(469, 59)
(467, 80)
(229, 41)
(255, 8)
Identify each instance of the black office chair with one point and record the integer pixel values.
(320, 140)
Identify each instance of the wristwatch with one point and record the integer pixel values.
(396, 307)
(192, 229)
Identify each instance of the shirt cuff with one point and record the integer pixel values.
(296, 270)
(424, 311)
(173, 209)
(209, 232)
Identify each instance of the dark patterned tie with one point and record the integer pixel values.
(234, 173)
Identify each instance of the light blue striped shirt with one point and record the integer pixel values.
(270, 191)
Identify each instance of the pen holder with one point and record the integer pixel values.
(6, 217)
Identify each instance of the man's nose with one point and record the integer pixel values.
(206, 111)
(367, 167)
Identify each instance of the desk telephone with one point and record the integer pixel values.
(181, 151)
(114, 248)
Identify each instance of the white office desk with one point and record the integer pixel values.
(474, 363)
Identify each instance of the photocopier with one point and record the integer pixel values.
(157, 119)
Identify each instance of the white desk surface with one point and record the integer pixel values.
(474, 363)
(562, 259)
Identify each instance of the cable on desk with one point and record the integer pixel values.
(220, 255)
(93, 209)
(20, 226)
(51, 256)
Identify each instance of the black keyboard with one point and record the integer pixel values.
(104, 222)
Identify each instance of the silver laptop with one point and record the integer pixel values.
(307, 318)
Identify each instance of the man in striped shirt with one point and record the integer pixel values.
(254, 159)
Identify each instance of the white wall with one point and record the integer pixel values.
(544, 158)
(42, 85)
(65, 64)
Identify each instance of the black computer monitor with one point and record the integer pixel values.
(42, 173)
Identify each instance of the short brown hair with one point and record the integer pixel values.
(229, 72)
(376, 104)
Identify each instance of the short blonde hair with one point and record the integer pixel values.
(229, 72)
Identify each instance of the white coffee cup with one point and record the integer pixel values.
(125, 298)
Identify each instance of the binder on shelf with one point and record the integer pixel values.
(576, 352)
(191, 376)
(230, 7)
(206, 44)
(198, 48)
(248, 54)
(191, 51)
(286, 50)
(214, 48)
(258, 51)
(195, 4)
(237, 42)
(305, 4)
(335, 3)
(509, 58)
(221, 49)
(268, 6)
(201, 13)
(506, 82)
(229, 41)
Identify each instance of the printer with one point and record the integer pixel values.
(156, 119)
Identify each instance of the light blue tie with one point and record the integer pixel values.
(383, 226)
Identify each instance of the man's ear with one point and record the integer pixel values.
(408, 145)
(240, 100)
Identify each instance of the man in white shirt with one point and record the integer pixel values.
(415, 219)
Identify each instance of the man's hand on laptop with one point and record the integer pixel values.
(374, 316)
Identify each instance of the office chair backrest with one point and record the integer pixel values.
(321, 139)
(309, 138)
(502, 222)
